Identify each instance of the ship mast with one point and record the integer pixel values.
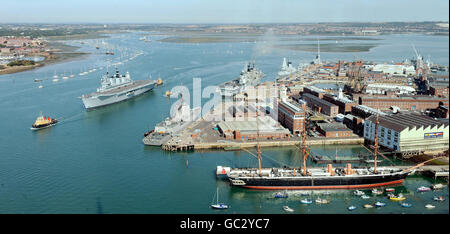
(258, 146)
(376, 145)
(304, 150)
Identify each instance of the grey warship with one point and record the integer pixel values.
(116, 88)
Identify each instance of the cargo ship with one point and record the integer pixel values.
(314, 178)
(43, 122)
(116, 88)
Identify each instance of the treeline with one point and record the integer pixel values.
(21, 63)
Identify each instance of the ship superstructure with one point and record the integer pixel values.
(286, 68)
(116, 88)
(250, 76)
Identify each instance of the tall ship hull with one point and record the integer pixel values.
(116, 89)
(273, 181)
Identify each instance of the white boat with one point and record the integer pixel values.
(351, 208)
(437, 186)
(40, 86)
(306, 201)
(322, 201)
(358, 193)
(218, 205)
(288, 209)
(423, 189)
(365, 197)
(440, 198)
(368, 206)
(429, 206)
(376, 191)
(55, 80)
(380, 204)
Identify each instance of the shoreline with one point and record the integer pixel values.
(61, 52)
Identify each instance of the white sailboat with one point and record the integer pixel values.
(218, 205)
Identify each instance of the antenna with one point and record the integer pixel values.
(258, 146)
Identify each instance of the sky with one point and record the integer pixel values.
(221, 11)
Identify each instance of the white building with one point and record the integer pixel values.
(383, 88)
(395, 69)
(408, 132)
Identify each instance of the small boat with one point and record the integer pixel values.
(306, 201)
(305, 193)
(218, 204)
(440, 198)
(376, 191)
(288, 209)
(437, 186)
(55, 80)
(280, 195)
(358, 193)
(404, 204)
(37, 80)
(43, 122)
(368, 206)
(423, 189)
(168, 93)
(159, 81)
(397, 198)
(380, 204)
(322, 201)
(351, 208)
(40, 86)
(389, 189)
(365, 197)
(429, 206)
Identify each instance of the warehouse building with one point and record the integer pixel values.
(408, 133)
(320, 105)
(292, 116)
(413, 103)
(248, 130)
(334, 130)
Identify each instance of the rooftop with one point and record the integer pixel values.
(399, 122)
(333, 127)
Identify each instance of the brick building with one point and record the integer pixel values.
(413, 103)
(292, 116)
(334, 130)
(319, 105)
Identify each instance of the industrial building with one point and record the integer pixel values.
(267, 127)
(319, 105)
(385, 88)
(408, 133)
(292, 116)
(334, 130)
(413, 103)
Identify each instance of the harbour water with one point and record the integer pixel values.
(95, 162)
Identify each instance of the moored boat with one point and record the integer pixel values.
(280, 195)
(437, 186)
(423, 189)
(358, 192)
(439, 198)
(288, 209)
(380, 204)
(397, 198)
(368, 206)
(306, 201)
(351, 208)
(377, 192)
(218, 204)
(429, 206)
(404, 204)
(389, 189)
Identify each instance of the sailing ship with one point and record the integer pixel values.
(218, 204)
(314, 178)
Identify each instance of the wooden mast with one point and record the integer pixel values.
(258, 147)
(305, 171)
(376, 145)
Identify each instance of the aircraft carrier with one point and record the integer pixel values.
(116, 88)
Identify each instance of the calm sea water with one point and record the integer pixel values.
(95, 162)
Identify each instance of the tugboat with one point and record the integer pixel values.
(159, 81)
(43, 122)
